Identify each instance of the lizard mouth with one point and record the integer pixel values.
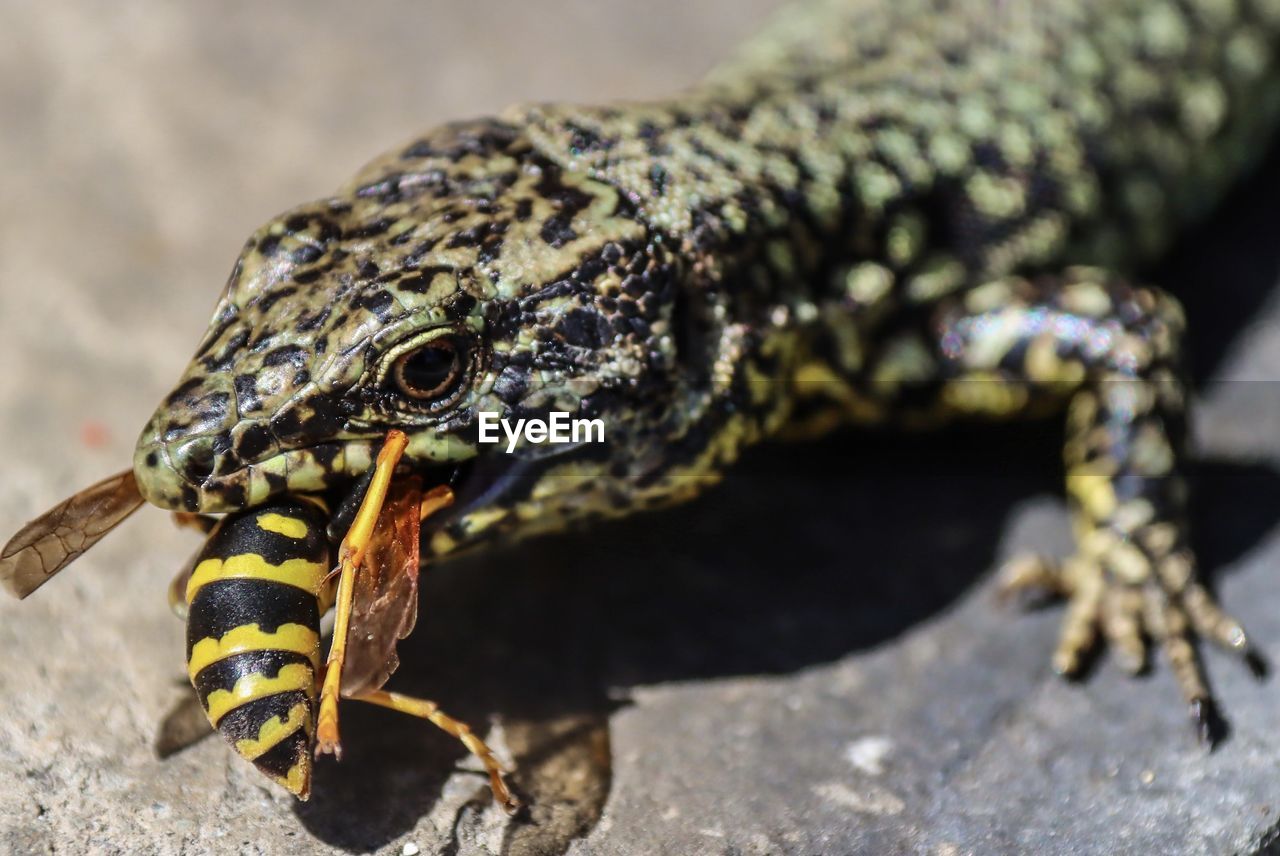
(228, 484)
(488, 487)
(169, 480)
(482, 483)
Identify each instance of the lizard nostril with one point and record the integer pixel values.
(196, 459)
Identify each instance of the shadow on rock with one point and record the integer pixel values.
(806, 554)
(1233, 506)
(1225, 270)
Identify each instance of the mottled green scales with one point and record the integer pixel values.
(903, 212)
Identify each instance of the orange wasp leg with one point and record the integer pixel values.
(435, 500)
(350, 555)
(428, 710)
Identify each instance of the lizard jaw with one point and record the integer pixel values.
(168, 481)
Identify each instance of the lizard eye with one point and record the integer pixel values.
(430, 372)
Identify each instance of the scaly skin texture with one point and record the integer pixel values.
(902, 212)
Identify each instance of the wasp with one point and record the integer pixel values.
(253, 598)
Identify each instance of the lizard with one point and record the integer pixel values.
(898, 213)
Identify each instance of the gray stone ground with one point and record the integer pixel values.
(808, 661)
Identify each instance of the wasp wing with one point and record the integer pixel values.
(56, 538)
(384, 603)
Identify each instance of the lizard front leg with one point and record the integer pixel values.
(1109, 351)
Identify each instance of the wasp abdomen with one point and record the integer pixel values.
(254, 601)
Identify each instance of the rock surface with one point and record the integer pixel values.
(806, 661)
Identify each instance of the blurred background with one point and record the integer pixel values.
(808, 661)
(144, 141)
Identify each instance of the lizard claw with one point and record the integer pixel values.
(1157, 603)
(1210, 727)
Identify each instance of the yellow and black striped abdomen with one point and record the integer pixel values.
(254, 601)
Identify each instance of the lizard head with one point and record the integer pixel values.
(461, 276)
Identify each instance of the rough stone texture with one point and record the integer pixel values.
(806, 661)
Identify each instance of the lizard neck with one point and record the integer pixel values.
(1022, 134)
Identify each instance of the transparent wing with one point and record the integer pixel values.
(56, 538)
(384, 605)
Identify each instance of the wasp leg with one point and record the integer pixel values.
(435, 500)
(350, 554)
(202, 523)
(428, 710)
(178, 587)
(178, 592)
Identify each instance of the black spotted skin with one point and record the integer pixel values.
(901, 212)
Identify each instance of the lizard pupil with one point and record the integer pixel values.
(431, 371)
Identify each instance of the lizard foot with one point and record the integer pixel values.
(1130, 606)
